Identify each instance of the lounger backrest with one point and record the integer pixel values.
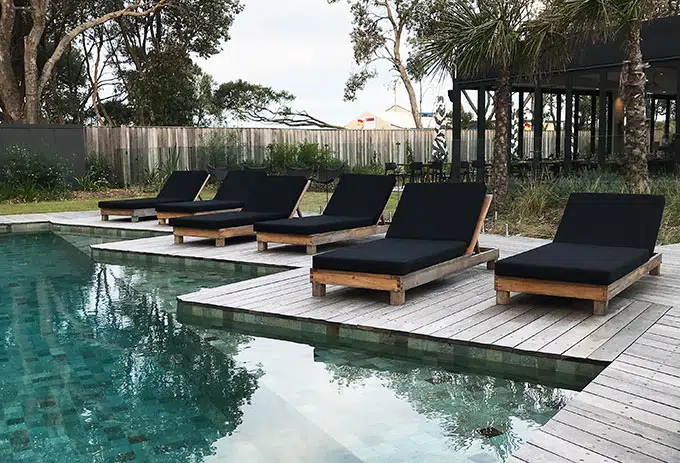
(278, 194)
(438, 211)
(239, 184)
(183, 185)
(361, 196)
(610, 219)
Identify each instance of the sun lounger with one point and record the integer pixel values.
(273, 198)
(230, 196)
(354, 211)
(604, 243)
(182, 185)
(433, 233)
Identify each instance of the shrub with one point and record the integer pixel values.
(374, 167)
(304, 155)
(155, 177)
(280, 156)
(220, 151)
(99, 174)
(33, 176)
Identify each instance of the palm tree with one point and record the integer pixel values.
(481, 38)
(565, 24)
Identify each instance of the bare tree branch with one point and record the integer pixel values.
(66, 40)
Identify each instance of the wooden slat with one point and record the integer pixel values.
(607, 331)
(620, 444)
(570, 428)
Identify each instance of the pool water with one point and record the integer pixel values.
(95, 368)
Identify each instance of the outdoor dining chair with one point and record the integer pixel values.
(325, 176)
(415, 172)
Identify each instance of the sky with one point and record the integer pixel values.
(303, 46)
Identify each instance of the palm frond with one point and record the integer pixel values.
(481, 37)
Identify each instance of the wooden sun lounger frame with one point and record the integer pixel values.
(221, 234)
(312, 241)
(599, 294)
(163, 217)
(135, 214)
(397, 285)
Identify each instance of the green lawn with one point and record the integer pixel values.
(311, 202)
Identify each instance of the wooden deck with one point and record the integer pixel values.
(629, 413)
(458, 308)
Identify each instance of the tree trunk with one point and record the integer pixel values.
(500, 138)
(10, 94)
(26, 107)
(635, 131)
(415, 109)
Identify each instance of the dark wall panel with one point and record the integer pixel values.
(65, 142)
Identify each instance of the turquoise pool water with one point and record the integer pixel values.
(95, 368)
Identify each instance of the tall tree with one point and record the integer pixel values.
(22, 28)
(183, 28)
(381, 33)
(480, 38)
(164, 92)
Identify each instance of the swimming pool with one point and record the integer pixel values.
(94, 367)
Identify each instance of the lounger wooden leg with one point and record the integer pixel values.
(656, 271)
(503, 297)
(397, 297)
(600, 307)
(262, 246)
(134, 219)
(179, 239)
(491, 265)
(220, 242)
(105, 218)
(311, 249)
(318, 290)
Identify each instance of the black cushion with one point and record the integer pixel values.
(575, 263)
(438, 211)
(239, 184)
(183, 185)
(224, 220)
(139, 203)
(389, 256)
(361, 196)
(199, 206)
(313, 224)
(609, 219)
(277, 194)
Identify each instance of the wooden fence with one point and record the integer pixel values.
(135, 151)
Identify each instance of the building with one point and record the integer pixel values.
(594, 73)
(394, 117)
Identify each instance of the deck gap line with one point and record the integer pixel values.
(597, 437)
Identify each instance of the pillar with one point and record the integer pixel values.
(601, 122)
(481, 133)
(568, 121)
(538, 123)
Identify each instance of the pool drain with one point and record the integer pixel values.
(489, 432)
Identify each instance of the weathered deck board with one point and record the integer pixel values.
(630, 412)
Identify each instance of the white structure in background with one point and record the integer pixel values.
(395, 117)
(439, 151)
